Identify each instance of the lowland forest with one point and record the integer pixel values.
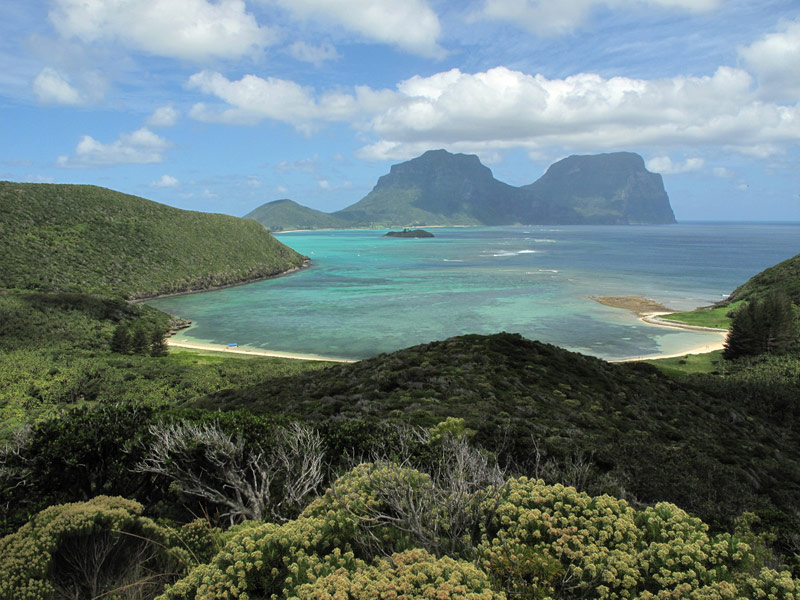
(478, 467)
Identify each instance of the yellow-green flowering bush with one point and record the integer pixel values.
(85, 549)
(537, 541)
(266, 560)
(543, 541)
(410, 575)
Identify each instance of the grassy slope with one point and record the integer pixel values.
(716, 317)
(783, 276)
(94, 240)
(645, 434)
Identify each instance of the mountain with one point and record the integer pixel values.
(281, 215)
(604, 189)
(437, 188)
(80, 238)
(440, 188)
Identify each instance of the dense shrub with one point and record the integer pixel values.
(87, 549)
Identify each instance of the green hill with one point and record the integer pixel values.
(784, 276)
(629, 430)
(282, 215)
(80, 238)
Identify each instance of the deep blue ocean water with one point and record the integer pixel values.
(365, 294)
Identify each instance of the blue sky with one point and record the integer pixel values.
(223, 105)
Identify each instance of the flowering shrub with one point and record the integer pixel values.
(86, 549)
(536, 542)
(409, 575)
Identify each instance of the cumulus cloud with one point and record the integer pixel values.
(315, 55)
(166, 181)
(51, 88)
(185, 29)
(503, 108)
(666, 166)
(545, 17)
(164, 116)
(410, 25)
(252, 99)
(775, 60)
(139, 147)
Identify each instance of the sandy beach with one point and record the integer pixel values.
(254, 352)
(649, 312)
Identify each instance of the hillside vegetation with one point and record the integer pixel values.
(784, 276)
(87, 239)
(281, 215)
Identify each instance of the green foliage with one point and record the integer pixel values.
(88, 239)
(718, 317)
(282, 215)
(89, 549)
(783, 276)
(763, 326)
(56, 350)
(624, 429)
(537, 541)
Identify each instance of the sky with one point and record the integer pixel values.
(223, 105)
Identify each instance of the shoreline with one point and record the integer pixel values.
(306, 263)
(643, 308)
(254, 352)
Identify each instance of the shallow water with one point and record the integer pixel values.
(365, 294)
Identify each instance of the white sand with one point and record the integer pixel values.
(252, 352)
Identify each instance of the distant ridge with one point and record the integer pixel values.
(288, 214)
(82, 238)
(440, 188)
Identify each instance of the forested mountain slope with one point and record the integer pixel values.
(88, 239)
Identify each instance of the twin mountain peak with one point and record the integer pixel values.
(440, 188)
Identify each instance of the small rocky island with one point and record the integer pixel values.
(409, 233)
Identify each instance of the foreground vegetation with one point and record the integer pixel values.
(380, 532)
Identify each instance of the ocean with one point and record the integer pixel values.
(365, 294)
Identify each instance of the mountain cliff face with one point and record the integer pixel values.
(440, 188)
(606, 189)
(437, 188)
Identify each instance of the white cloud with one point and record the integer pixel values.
(315, 55)
(775, 60)
(665, 165)
(51, 88)
(501, 108)
(546, 17)
(185, 29)
(139, 147)
(305, 165)
(165, 182)
(723, 172)
(252, 99)
(164, 116)
(408, 24)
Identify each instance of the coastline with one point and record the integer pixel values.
(306, 263)
(644, 310)
(254, 352)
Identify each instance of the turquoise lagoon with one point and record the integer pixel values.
(365, 294)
